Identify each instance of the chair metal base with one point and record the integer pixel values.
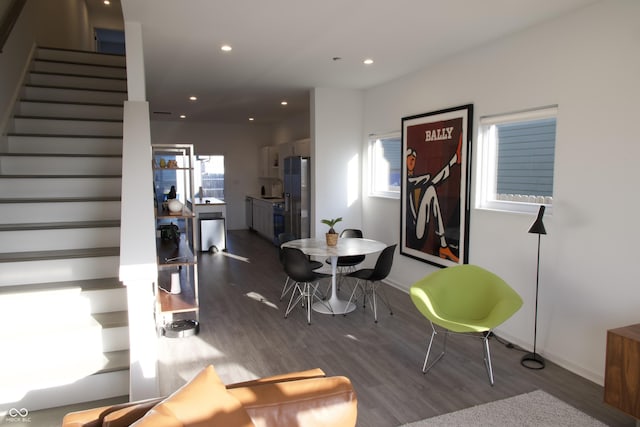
(305, 292)
(485, 347)
(372, 295)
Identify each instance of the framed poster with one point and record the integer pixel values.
(435, 196)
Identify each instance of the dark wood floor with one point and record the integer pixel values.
(244, 335)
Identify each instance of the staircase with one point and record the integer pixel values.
(64, 337)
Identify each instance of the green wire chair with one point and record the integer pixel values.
(464, 299)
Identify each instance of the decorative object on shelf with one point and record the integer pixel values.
(170, 232)
(163, 163)
(172, 164)
(175, 283)
(534, 360)
(332, 235)
(175, 206)
(172, 193)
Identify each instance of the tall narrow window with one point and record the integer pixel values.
(517, 160)
(385, 165)
(209, 177)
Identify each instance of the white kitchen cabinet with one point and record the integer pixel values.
(300, 148)
(263, 218)
(269, 162)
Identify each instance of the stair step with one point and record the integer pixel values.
(49, 93)
(105, 295)
(110, 381)
(78, 110)
(66, 126)
(61, 200)
(114, 319)
(59, 225)
(43, 237)
(37, 270)
(115, 330)
(76, 81)
(80, 56)
(117, 361)
(51, 164)
(15, 211)
(55, 66)
(63, 186)
(67, 144)
(61, 254)
(84, 285)
(48, 164)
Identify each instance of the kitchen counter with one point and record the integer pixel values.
(208, 201)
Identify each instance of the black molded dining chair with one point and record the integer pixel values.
(368, 281)
(288, 284)
(305, 280)
(347, 264)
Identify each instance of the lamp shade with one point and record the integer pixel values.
(538, 226)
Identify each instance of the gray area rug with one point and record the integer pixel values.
(531, 409)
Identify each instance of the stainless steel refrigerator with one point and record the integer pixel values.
(297, 195)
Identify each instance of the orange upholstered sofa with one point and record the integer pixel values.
(307, 398)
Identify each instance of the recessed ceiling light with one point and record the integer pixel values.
(193, 98)
(226, 48)
(107, 2)
(251, 119)
(182, 116)
(368, 61)
(284, 103)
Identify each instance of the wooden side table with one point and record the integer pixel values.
(622, 370)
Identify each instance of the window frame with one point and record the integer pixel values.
(372, 143)
(488, 162)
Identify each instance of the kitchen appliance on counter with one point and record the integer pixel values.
(297, 196)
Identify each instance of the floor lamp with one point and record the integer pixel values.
(534, 360)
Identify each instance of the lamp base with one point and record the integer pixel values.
(532, 361)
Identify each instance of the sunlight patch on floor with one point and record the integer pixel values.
(258, 297)
(238, 257)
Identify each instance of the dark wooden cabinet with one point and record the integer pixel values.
(622, 370)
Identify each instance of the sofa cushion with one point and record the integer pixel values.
(203, 401)
(308, 402)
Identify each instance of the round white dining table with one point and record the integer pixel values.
(345, 247)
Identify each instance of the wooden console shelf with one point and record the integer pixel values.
(622, 370)
(176, 313)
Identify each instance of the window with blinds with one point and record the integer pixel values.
(517, 160)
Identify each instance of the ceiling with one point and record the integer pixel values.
(283, 48)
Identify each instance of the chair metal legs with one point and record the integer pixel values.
(425, 368)
(306, 291)
(374, 305)
(485, 347)
(286, 288)
(487, 355)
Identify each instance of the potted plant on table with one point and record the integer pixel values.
(332, 235)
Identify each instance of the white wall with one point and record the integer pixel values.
(63, 24)
(240, 146)
(294, 129)
(587, 64)
(336, 139)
